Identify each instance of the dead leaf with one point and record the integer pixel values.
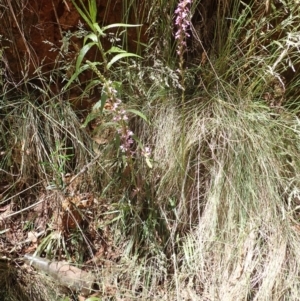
(31, 249)
(32, 236)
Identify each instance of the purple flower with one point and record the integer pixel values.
(146, 152)
(122, 148)
(116, 118)
(182, 23)
(121, 118)
(126, 139)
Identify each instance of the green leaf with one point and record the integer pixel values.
(118, 87)
(90, 36)
(115, 49)
(140, 43)
(93, 10)
(149, 163)
(138, 113)
(89, 117)
(82, 14)
(120, 25)
(82, 53)
(75, 76)
(92, 84)
(120, 56)
(102, 101)
(99, 30)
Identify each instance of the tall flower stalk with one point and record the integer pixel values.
(109, 95)
(182, 23)
(120, 118)
(120, 114)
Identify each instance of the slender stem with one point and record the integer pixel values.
(182, 23)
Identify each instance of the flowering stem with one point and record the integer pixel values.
(120, 115)
(182, 22)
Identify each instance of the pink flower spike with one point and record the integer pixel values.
(182, 22)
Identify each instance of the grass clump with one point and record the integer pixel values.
(227, 195)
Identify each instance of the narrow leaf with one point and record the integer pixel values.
(92, 84)
(82, 53)
(82, 14)
(115, 49)
(149, 163)
(75, 76)
(120, 56)
(99, 30)
(90, 36)
(90, 117)
(93, 10)
(120, 25)
(138, 113)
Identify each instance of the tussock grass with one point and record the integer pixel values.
(233, 227)
(246, 233)
(44, 141)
